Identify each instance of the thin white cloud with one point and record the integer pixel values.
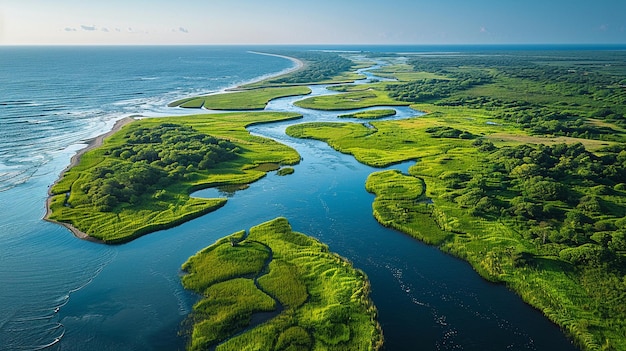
(88, 28)
(183, 30)
(483, 29)
(105, 29)
(70, 29)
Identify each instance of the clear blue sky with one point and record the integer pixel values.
(312, 22)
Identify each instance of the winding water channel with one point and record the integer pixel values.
(427, 300)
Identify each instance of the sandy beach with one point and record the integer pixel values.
(299, 63)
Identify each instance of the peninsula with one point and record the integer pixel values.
(140, 179)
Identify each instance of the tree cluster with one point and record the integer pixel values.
(170, 146)
(561, 194)
(541, 120)
(320, 66)
(448, 132)
(432, 89)
(123, 182)
(597, 83)
(150, 160)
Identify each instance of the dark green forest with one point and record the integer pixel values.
(152, 159)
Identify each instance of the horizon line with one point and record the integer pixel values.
(318, 44)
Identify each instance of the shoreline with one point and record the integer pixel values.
(98, 141)
(91, 144)
(299, 65)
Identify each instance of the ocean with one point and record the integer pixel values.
(61, 293)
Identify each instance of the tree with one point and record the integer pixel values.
(523, 207)
(589, 204)
(540, 188)
(587, 254)
(618, 240)
(526, 171)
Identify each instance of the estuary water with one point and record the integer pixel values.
(61, 293)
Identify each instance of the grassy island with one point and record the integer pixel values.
(320, 301)
(371, 114)
(141, 178)
(285, 171)
(255, 99)
(371, 95)
(521, 171)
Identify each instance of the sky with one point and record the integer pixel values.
(217, 22)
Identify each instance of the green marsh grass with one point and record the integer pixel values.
(401, 204)
(351, 100)
(285, 171)
(325, 301)
(372, 114)
(228, 305)
(224, 261)
(341, 78)
(255, 99)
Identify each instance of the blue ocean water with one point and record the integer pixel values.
(61, 293)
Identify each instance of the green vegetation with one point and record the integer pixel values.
(429, 89)
(551, 93)
(385, 142)
(370, 97)
(370, 114)
(520, 171)
(321, 301)
(157, 157)
(319, 68)
(406, 72)
(255, 99)
(140, 179)
(285, 171)
(401, 204)
(448, 132)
